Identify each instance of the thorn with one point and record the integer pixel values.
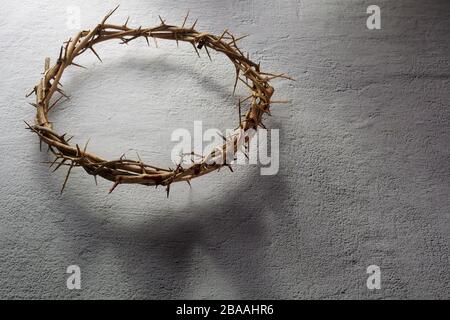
(137, 154)
(141, 163)
(236, 81)
(246, 83)
(96, 54)
(189, 183)
(54, 103)
(229, 167)
(162, 21)
(168, 190)
(222, 35)
(193, 44)
(62, 92)
(63, 137)
(235, 40)
(33, 104)
(32, 91)
(185, 19)
(179, 167)
(126, 22)
(78, 65)
(85, 146)
(207, 52)
(125, 41)
(60, 54)
(113, 186)
(54, 161)
(146, 39)
(95, 179)
(109, 14)
(65, 49)
(59, 165)
(247, 98)
(280, 101)
(274, 76)
(78, 150)
(67, 177)
(193, 26)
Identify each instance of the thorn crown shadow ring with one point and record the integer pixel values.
(124, 170)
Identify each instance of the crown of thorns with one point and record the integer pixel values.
(125, 170)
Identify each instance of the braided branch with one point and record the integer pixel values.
(135, 171)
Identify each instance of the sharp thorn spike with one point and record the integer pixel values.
(59, 164)
(193, 26)
(29, 94)
(113, 187)
(207, 52)
(196, 50)
(85, 146)
(168, 190)
(109, 14)
(236, 81)
(78, 65)
(79, 154)
(67, 177)
(185, 19)
(96, 54)
(53, 162)
(60, 53)
(54, 103)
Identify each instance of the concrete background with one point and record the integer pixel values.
(364, 178)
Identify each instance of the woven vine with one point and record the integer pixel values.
(125, 170)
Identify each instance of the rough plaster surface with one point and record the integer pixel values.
(365, 149)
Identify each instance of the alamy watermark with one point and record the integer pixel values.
(236, 146)
(374, 20)
(74, 280)
(374, 280)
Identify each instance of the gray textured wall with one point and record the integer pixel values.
(365, 149)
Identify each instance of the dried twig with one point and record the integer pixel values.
(135, 171)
